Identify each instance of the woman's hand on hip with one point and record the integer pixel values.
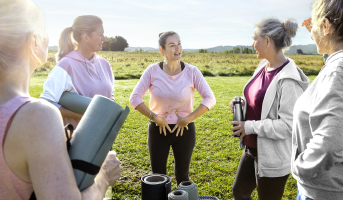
(239, 128)
(181, 124)
(161, 122)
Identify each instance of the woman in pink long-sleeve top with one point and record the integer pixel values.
(171, 84)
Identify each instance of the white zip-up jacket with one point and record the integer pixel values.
(317, 158)
(274, 130)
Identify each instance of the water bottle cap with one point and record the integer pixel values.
(238, 100)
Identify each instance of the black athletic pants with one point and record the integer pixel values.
(268, 188)
(159, 146)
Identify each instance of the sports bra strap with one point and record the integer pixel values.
(182, 65)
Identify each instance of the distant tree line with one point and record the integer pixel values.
(235, 50)
(118, 43)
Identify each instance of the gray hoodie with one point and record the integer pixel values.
(274, 130)
(318, 134)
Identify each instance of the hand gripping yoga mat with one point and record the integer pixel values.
(75, 102)
(191, 188)
(155, 187)
(178, 195)
(94, 137)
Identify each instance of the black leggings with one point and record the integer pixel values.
(268, 188)
(159, 146)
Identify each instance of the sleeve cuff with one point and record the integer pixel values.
(135, 103)
(208, 104)
(248, 128)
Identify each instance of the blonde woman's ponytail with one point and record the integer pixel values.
(66, 44)
(71, 37)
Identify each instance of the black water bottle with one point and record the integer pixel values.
(237, 112)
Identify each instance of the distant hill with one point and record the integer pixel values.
(307, 49)
(53, 48)
(138, 48)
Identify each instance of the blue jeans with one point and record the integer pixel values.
(301, 196)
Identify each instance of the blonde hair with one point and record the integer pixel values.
(71, 36)
(17, 30)
(331, 10)
(280, 32)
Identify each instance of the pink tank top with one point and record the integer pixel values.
(11, 186)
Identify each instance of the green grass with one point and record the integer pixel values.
(216, 154)
(128, 65)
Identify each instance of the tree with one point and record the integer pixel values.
(106, 46)
(119, 44)
(236, 50)
(300, 52)
(202, 51)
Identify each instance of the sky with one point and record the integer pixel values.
(199, 23)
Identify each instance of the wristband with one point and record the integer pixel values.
(153, 117)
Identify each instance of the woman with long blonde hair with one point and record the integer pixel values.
(79, 69)
(33, 153)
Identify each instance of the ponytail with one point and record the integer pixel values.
(71, 37)
(66, 44)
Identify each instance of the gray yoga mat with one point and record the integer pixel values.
(95, 135)
(74, 102)
(191, 188)
(178, 195)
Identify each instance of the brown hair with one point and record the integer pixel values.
(331, 10)
(71, 36)
(163, 38)
(280, 32)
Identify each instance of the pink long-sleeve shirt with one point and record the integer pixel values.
(172, 93)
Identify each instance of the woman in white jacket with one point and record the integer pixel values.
(269, 97)
(317, 158)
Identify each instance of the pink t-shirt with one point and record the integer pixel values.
(254, 94)
(11, 186)
(172, 93)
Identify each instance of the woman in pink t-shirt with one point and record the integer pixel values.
(269, 98)
(171, 84)
(33, 151)
(79, 69)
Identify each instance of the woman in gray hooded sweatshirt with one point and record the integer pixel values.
(317, 151)
(269, 98)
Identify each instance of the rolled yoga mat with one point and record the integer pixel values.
(74, 102)
(191, 188)
(178, 195)
(94, 137)
(155, 187)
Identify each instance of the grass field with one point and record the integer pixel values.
(127, 65)
(216, 154)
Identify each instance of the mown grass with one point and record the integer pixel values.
(216, 154)
(128, 65)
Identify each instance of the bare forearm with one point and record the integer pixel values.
(142, 108)
(95, 191)
(198, 112)
(69, 114)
